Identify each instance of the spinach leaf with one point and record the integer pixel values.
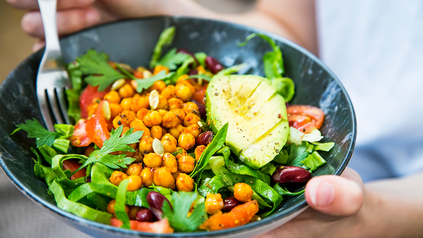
(243, 169)
(298, 154)
(120, 204)
(313, 161)
(61, 175)
(285, 192)
(165, 39)
(47, 152)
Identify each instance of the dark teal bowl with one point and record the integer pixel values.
(132, 42)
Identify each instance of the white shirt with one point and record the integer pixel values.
(375, 47)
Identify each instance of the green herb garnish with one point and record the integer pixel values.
(146, 83)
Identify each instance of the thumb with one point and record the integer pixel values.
(334, 195)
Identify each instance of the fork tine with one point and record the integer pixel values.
(54, 106)
(45, 111)
(61, 96)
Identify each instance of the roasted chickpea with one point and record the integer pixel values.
(152, 160)
(111, 207)
(163, 177)
(141, 113)
(193, 129)
(132, 213)
(117, 177)
(183, 92)
(134, 169)
(147, 177)
(180, 114)
(152, 118)
(168, 145)
(187, 84)
(162, 103)
(191, 119)
(160, 68)
(190, 107)
(162, 112)
(169, 92)
(243, 192)
(126, 103)
(92, 108)
(126, 91)
(186, 163)
(128, 116)
(184, 183)
(168, 136)
(115, 109)
(170, 119)
(138, 125)
(175, 103)
(213, 203)
(176, 174)
(169, 161)
(135, 183)
(138, 156)
(146, 144)
(156, 132)
(198, 151)
(186, 141)
(112, 97)
(89, 150)
(138, 103)
(176, 131)
(182, 152)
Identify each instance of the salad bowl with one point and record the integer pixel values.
(132, 42)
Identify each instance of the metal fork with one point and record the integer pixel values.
(52, 78)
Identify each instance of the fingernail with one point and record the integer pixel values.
(323, 195)
(92, 17)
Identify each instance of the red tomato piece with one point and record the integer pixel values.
(97, 127)
(72, 165)
(305, 118)
(87, 97)
(199, 94)
(159, 227)
(80, 137)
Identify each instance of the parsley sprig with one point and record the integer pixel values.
(114, 144)
(178, 218)
(100, 72)
(172, 59)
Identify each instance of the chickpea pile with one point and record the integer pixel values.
(173, 121)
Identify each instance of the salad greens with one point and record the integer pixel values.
(120, 204)
(165, 39)
(146, 83)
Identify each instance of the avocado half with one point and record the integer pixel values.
(258, 125)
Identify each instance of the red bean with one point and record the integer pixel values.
(214, 65)
(156, 200)
(291, 174)
(201, 109)
(230, 203)
(193, 72)
(145, 215)
(205, 138)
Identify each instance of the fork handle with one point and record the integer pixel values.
(48, 16)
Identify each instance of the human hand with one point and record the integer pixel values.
(337, 205)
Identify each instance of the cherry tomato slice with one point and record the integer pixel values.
(87, 97)
(72, 165)
(159, 227)
(305, 118)
(80, 137)
(97, 127)
(199, 94)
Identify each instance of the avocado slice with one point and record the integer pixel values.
(258, 125)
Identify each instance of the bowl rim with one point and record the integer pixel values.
(267, 221)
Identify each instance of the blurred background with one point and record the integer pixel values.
(19, 216)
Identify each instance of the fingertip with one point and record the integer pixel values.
(38, 45)
(92, 16)
(32, 25)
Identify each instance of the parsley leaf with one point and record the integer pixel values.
(165, 39)
(114, 144)
(146, 83)
(36, 130)
(178, 218)
(100, 72)
(173, 59)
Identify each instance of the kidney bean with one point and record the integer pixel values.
(145, 215)
(201, 109)
(214, 65)
(184, 51)
(156, 200)
(291, 174)
(193, 72)
(205, 138)
(230, 203)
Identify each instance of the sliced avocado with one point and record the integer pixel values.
(258, 126)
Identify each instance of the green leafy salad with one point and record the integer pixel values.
(181, 145)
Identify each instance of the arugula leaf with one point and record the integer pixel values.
(273, 61)
(114, 144)
(313, 161)
(201, 76)
(201, 57)
(285, 87)
(146, 83)
(232, 69)
(173, 59)
(165, 39)
(37, 131)
(178, 218)
(184, 67)
(285, 192)
(100, 72)
(215, 145)
(120, 204)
